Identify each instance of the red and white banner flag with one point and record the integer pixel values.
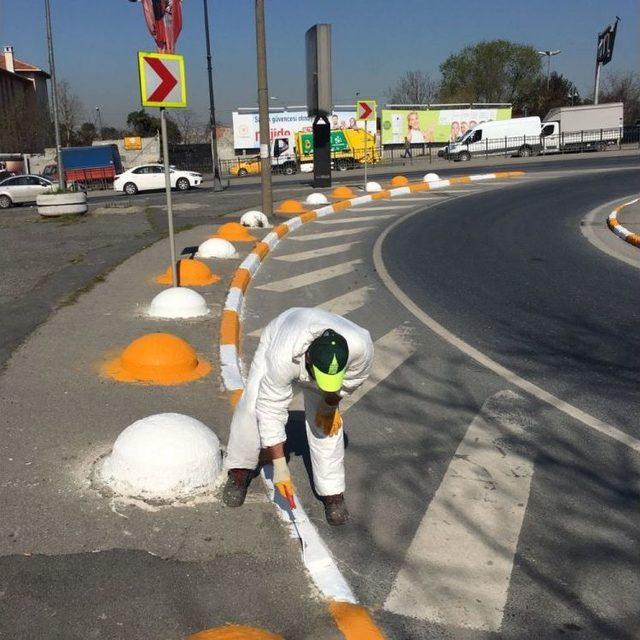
(164, 19)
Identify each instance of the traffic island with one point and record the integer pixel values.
(624, 221)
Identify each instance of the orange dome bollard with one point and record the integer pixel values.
(157, 358)
(291, 207)
(191, 273)
(399, 181)
(234, 632)
(342, 193)
(234, 232)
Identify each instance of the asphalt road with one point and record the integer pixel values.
(480, 510)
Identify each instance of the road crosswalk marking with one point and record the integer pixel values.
(341, 305)
(458, 567)
(310, 277)
(317, 253)
(330, 234)
(390, 351)
(341, 220)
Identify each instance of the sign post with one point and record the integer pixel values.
(366, 110)
(604, 53)
(163, 84)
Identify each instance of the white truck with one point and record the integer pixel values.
(520, 136)
(589, 126)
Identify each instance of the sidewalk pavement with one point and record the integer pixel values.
(77, 564)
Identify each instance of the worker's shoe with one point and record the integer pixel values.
(335, 509)
(235, 491)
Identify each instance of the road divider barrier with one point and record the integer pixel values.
(178, 303)
(157, 358)
(190, 273)
(619, 229)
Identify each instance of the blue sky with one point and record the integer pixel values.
(374, 42)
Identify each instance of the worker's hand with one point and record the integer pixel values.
(328, 416)
(282, 480)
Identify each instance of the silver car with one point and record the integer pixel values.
(21, 189)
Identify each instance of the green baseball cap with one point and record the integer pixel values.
(328, 355)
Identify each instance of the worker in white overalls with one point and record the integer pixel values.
(329, 357)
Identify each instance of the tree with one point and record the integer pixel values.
(87, 133)
(146, 125)
(560, 92)
(111, 133)
(185, 119)
(490, 71)
(69, 110)
(414, 87)
(623, 87)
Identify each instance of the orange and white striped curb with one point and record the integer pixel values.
(618, 229)
(230, 365)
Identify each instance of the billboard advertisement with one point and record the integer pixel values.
(246, 126)
(421, 126)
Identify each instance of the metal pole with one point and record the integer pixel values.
(548, 70)
(99, 123)
(596, 88)
(217, 182)
(54, 96)
(263, 108)
(167, 188)
(366, 123)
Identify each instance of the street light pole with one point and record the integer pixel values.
(549, 54)
(263, 109)
(54, 96)
(99, 122)
(217, 182)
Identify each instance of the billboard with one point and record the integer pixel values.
(246, 126)
(421, 126)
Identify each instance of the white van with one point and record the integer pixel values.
(519, 136)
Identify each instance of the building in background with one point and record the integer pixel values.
(24, 105)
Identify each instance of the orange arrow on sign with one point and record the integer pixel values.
(364, 110)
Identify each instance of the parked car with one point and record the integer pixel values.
(147, 177)
(22, 189)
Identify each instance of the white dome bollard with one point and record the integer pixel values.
(373, 187)
(164, 457)
(178, 302)
(316, 198)
(431, 177)
(254, 219)
(217, 248)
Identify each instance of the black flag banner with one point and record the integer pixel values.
(606, 40)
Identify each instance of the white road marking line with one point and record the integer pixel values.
(458, 567)
(375, 207)
(310, 277)
(390, 351)
(317, 253)
(340, 305)
(510, 376)
(331, 234)
(341, 220)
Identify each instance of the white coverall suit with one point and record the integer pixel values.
(261, 414)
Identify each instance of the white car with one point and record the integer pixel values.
(22, 189)
(147, 177)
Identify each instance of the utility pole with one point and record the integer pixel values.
(62, 183)
(263, 109)
(217, 182)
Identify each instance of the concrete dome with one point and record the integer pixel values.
(316, 198)
(178, 302)
(373, 187)
(431, 177)
(217, 248)
(167, 456)
(254, 219)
